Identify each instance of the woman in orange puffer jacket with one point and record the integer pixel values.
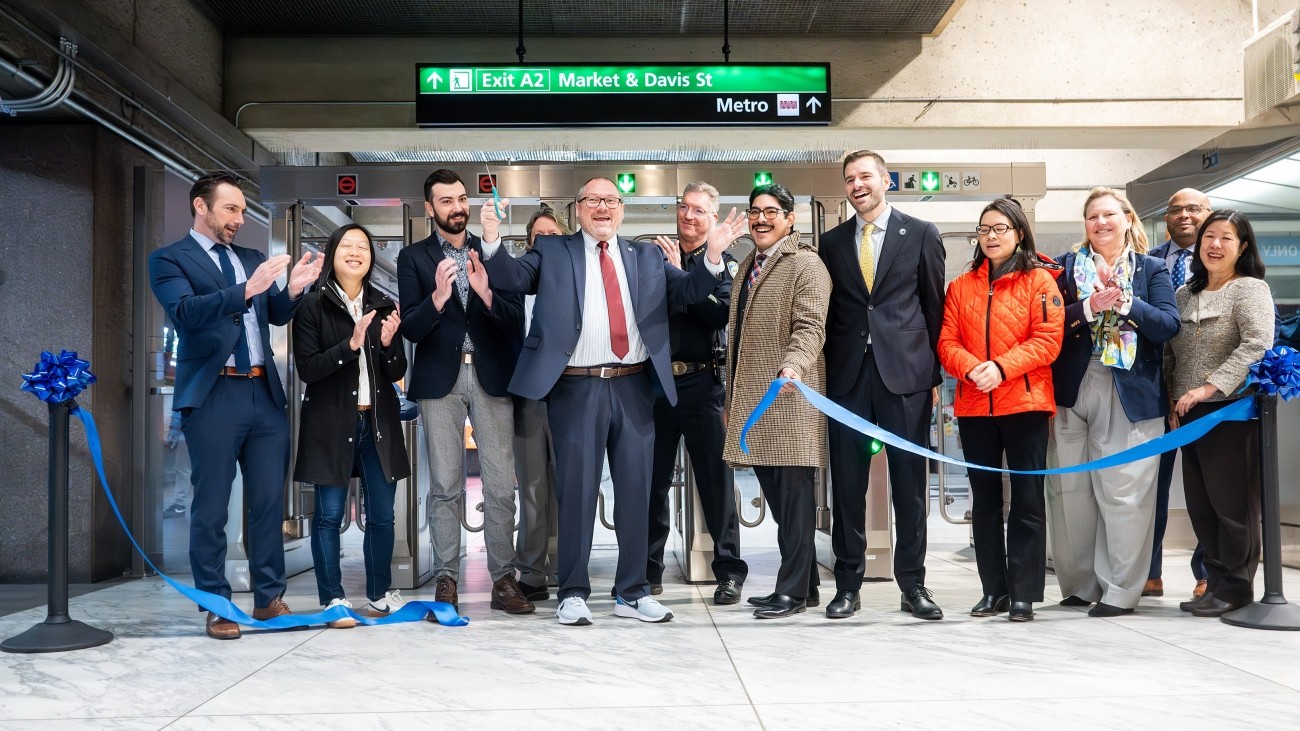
(1002, 328)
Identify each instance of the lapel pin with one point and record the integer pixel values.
(902, 232)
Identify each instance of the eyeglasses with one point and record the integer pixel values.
(768, 213)
(594, 202)
(1190, 210)
(683, 209)
(997, 228)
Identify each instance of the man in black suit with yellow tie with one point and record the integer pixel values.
(886, 310)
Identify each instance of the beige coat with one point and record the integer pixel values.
(784, 327)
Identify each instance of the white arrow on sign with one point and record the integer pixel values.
(433, 78)
(812, 104)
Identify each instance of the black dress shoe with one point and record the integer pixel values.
(781, 606)
(920, 602)
(1074, 601)
(813, 598)
(534, 593)
(843, 605)
(761, 601)
(1215, 607)
(1021, 612)
(990, 606)
(1191, 604)
(728, 592)
(1108, 610)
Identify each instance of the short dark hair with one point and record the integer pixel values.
(1249, 263)
(781, 193)
(331, 249)
(441, 176)
(859, 154)
(206, 187)
(1025, 256)
(544, 212)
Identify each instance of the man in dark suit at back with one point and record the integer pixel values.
(223, 300)
(886, 310)
(465, 338)
(598, 351)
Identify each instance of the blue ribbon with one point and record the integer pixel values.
(1242, 410)
(60, 379)
(1277, 373)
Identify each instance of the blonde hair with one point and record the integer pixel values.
(1136, 236)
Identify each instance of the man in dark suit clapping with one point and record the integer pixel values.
(886, 311)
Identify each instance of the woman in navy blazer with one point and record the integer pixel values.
(1110, 394)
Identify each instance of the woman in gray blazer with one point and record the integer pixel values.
(1227, 316)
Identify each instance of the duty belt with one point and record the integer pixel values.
(681, 368)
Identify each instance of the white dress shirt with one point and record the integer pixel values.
(356, 309)
(255, 356)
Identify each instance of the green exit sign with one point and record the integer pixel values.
(930, 181)
(762, 178)
(626, 183)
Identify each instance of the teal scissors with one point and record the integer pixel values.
(496, 197)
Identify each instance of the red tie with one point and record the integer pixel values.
(613, 303)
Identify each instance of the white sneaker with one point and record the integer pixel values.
(391, 602)
(344, 623)
(646, 609)
(573, 610)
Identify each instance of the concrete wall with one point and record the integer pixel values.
(65, 229)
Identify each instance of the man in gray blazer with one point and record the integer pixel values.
(886, 310)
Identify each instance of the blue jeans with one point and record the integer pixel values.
(331, 501)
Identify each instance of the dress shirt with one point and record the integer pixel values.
(356, 309)
(877, 240)
(255, 356)
(460, 255)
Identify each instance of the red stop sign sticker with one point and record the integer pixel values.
(347, 184)
(486, 183)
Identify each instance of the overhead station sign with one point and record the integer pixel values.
(479, 95)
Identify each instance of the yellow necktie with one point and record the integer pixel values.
(867, 257)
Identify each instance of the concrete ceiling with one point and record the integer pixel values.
(577, 17)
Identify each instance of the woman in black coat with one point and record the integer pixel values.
(347, 351)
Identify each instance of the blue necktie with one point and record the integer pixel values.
(242, 362)
(1180, 268)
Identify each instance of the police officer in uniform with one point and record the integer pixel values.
(696, 337)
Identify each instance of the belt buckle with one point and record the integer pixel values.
(679, 368)
(607, 372)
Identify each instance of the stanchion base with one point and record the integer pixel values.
(61, 637)
(1263, 615)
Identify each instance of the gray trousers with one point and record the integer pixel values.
(1101, 522)
(538, 511)
(444, 429)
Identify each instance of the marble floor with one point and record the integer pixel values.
(710, 668)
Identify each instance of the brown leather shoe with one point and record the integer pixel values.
(1154, 587)
(506, 595)
(1200, 588)
(445, 591)
(221, 629)
(276, 608)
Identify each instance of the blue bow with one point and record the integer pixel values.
(58, 379)
(1277, 373)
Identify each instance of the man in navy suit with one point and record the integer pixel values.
(598, 350)
(223, 300)
(886, 310)
(465, 337)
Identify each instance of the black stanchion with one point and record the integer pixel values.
(59, 632)
(1273, 611)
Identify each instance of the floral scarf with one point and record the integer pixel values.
(1112, 336)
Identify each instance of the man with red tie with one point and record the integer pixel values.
(598, 351)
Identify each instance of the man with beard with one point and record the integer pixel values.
(222, 300)
(694, 332)
(1188, 209)
(598, 351)
(466, 336)
(886, 311)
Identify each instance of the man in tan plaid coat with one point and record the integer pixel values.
(777, 327)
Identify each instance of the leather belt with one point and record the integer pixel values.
(253, 372)
(604, 371)
(467, 358)
(363, 407)
(681, 368)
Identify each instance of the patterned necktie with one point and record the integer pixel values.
(1180, 268)
(613, 303)
(756, 270)
(242, 361)
(867, 257)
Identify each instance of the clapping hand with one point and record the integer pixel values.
(359, 331)
(672, 252)
(444, 281)
(306, 271)
(478, 279)
(724, 234)
(266, 274)
(388, 328)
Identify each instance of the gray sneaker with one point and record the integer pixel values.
(384, 606)
(646, 609)
(573, 610)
